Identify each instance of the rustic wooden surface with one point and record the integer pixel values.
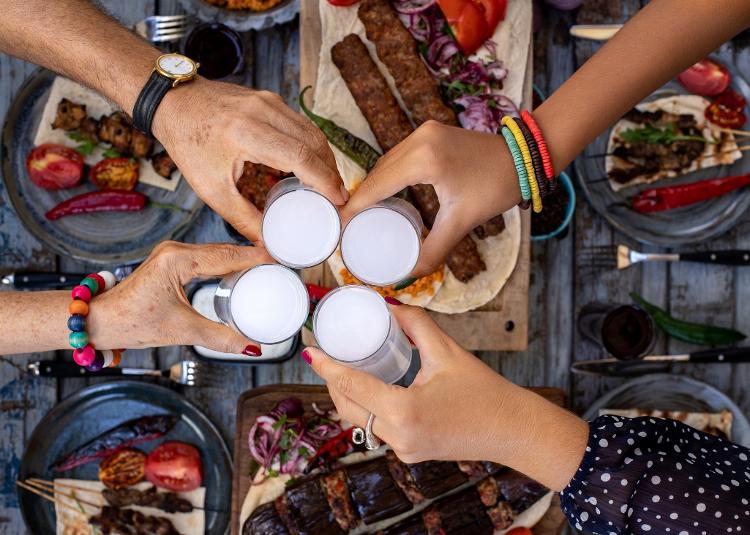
(262, 400)
(557, 289)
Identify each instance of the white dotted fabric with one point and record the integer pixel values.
(652, 475)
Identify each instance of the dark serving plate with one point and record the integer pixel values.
(98, 408)
(688, 225)
(107, 238)
(243, 20)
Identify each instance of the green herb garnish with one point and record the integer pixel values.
(111, 153)
(653, 135)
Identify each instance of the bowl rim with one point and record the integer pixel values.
(569, 210)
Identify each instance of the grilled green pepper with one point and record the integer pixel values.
(695, 333)
(361, 152)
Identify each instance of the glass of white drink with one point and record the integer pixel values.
(268, 303)
(300, 227)
(381, 244)
(354, 326)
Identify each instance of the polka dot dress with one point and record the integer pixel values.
(651, 475)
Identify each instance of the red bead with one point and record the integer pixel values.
(81, 292)
(84, 356)
(99, 280)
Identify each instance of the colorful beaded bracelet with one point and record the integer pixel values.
(83, 352)
(539, 138)
(536, 198)
(523, 180)
(536, 160)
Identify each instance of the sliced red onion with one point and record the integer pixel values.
(496, 71)
(408, 7)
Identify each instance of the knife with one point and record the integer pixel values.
(659, 363)
(41, 280)
(595, 32)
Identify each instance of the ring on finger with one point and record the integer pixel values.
(358, 436)
(371, 441)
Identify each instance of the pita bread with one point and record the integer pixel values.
(680, 104)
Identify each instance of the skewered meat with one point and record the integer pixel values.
(309, 509)
(163, 164)
(129, 522)
(265, 520)
(69, 115)
(477, 469)
(89, 130)
(116, 130)
(463, 513)
(141, 144)
(660, 118)
(374, 492)
(433, 478)
(371, 92)
(501, 515)
(256, 181)
(337, 494)
(488, 491)
(403, 478)
(168, 502)
(464, 260)
(493, 227)
(397, 49)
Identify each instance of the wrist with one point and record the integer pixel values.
(176, 104)
(505, 178)
(102, 323)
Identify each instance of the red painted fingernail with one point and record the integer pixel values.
(393, 301)
(306, 357)
(252, 351)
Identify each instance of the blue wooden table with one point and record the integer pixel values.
(558, 290)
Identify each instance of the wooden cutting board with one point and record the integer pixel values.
(503, 323)
(259, 401)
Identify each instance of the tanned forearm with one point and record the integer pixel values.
(663, 39)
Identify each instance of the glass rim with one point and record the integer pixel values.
(263, 221)
(266, 265)
(336, 290)
(394, 209)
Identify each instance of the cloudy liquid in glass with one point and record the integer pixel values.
(301, 228)
(380, 246)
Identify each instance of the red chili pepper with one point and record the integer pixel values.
(337, 447)
(671, 197)
(316, 292)
(99, 201)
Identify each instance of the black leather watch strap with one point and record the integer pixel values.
(148, 101)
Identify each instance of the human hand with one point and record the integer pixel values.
(457, 408)
(473, 176)
(150, 309)
(211, 128)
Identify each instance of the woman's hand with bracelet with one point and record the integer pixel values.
(150, 309)
(472, 172)
(457, 409)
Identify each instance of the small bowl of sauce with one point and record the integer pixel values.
(217, 48)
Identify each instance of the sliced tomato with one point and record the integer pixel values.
(122, 469)
(494, 12)
(175, 466)
(727, 110)
(116, 173)
(342, 3)
(54, 166)
(706, 78)
(472, 21)
(520, 531)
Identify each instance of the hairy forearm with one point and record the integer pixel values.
(663, 39)
(33, 321)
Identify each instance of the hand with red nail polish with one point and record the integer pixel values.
(457, 408)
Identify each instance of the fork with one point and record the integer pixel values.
(606, 257)
(162, 28)
(184, 372)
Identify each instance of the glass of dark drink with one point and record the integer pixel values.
(626, 332)
(217, 48)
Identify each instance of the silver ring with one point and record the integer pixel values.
(371, 441)
(358, 436)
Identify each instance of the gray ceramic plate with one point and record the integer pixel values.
(243, 20)
(687, 225)
(106, 238)
(673, 392)
(98, 408)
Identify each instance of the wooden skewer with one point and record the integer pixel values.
(741, 133)
(57, 493)
(52, 485)
(51, 498)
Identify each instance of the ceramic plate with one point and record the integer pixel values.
(243, 20)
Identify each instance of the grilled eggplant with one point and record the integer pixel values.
(309, 510)
(265, 520)
(433, 478)
(375, 494)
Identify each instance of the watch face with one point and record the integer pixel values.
(176, 64)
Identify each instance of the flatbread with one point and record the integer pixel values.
(71, 523)
(680, 104)
(96, 106)
(335, 102)
(702, 421)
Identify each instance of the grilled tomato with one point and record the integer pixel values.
(123, 468)
(54, 166)
(175, 466)
(116, 173)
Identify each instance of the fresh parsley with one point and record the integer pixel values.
(111, 153)
(653, 135)
(86, 148)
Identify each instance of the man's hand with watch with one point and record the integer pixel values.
(211, 128)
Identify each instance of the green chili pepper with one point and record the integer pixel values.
(695, 333)
(357, 149)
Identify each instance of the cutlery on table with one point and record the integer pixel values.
(595, 32)
(606, 257)
(659, 363)
(40, 280)
(185, 372)
(162, 28)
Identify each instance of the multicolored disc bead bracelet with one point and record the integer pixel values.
(536, 198)
(515, 151)
(83, 352)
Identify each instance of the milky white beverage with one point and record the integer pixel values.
(301, 228)
(268, 303)
(381, 244)
(353, 325)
